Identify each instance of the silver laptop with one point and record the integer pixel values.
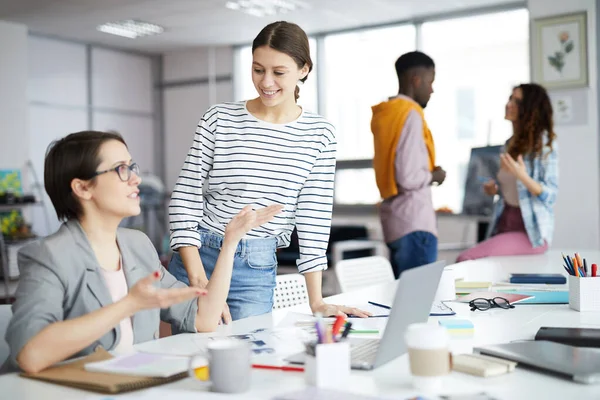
(412, 303)
(581, 364)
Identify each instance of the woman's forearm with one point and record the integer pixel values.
(210, 306)
(314, 287)
(60, 340)
(193, 265)
(532, 185)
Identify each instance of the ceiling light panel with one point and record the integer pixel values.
(264, 8)
(131, 28)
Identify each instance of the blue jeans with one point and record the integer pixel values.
(253, 277)
(413, 250)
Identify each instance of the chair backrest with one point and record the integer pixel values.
(357, 273)
(289, 291)
(5, 315)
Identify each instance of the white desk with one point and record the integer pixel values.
(391, 380)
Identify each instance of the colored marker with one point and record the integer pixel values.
(280, 368)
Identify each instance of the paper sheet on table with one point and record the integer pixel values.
(185, 390)
(177, 345)
(313, 393)
(267, 344)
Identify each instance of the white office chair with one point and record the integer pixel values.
(357, 273)
(338, 249)
(289, 291)
(5, 315)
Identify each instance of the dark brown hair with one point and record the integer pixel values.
(535, 120)
(287, 38)
(76, 156)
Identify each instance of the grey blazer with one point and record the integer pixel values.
(60, 279)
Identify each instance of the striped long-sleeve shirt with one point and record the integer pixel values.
(237, 159)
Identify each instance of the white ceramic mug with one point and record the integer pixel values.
(230, 365)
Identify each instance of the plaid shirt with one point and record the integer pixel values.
(537, 211)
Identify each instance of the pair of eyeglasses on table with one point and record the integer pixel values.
(482, 304)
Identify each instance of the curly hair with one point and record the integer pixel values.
(535, 120)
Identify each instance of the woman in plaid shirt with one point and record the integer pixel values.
(527, 182)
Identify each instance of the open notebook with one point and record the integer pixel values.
(74, 374)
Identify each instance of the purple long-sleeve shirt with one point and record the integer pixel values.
(412, 209)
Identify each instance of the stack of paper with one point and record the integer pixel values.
(465, 287)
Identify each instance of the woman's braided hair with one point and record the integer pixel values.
(535, 119)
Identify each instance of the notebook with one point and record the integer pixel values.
(543, 297)
(555, 279)
(74, 374)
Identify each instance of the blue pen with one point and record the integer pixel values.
(484, 179)
(571, 266)
(567, 266)
(380, 305)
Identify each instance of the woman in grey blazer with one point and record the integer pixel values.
(94, 284)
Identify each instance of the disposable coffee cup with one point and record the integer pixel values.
(428, 355)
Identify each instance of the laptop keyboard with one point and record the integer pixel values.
(364, 352)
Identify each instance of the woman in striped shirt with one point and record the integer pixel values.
(259, 152)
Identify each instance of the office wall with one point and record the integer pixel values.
(73, 87)
(578, 206)
(14, 140)
(193, 80)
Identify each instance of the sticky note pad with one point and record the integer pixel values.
(457, 326)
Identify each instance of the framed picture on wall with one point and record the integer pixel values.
(560, 54)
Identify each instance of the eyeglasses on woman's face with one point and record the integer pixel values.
(482, 304)
(123, 170)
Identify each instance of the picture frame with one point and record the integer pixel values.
(560, 53)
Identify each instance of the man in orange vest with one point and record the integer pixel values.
(404, 164)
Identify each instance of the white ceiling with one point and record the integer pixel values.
(202, 22)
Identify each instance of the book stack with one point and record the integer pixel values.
(465, 287)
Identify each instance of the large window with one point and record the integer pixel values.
(359, 73)
(478, 61)
(244, 89)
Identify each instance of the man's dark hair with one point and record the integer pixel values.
(413, 59)
(76, 156)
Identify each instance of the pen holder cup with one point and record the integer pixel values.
(584, 293)
(329, 367)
